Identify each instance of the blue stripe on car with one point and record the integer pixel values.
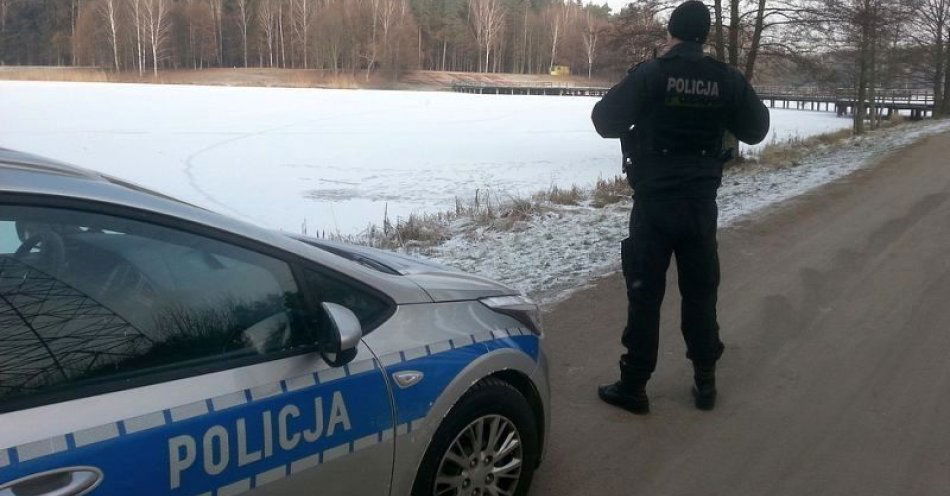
(151, 434)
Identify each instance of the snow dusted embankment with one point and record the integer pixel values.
(567, 247)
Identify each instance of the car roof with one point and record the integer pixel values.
(25, 173)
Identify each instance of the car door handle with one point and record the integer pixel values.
(70, 481)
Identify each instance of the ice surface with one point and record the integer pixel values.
(335, 160)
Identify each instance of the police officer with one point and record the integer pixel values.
(670, 114)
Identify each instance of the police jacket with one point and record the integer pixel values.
(671, 113)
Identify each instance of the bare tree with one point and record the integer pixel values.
(280, 32)
(109, 13)
(594, 28)
(557, 15)
(932, 20)
(138, 20)
(216, 8)
(302, 18)
(945, 107)
(267, 15)
(245, 14)
(371, 51)
(156, 24)
(860, 24)
(4, 5)
(488, 19)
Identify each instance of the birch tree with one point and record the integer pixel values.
(109, 13)
(138, 21)
(156, 24)
(267, 14)
(301, 20)
(593, 29)
(244, 17)
(216, 9)
(488, 19)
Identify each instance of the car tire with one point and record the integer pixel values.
(494, 404)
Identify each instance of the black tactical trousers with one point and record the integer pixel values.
(658, 230)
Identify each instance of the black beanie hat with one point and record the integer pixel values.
(690, 21)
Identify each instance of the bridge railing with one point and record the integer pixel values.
(912, 97)
(516, 84)
(919, 96)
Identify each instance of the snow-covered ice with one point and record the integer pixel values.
(567, 248)
(335, 160)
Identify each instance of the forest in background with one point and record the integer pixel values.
(860, 44)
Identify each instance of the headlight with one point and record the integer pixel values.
(520, 307)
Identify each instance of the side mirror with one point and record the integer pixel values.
(344, 335)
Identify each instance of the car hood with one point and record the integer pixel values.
(440, 282)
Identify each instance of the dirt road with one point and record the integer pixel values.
(835, 311)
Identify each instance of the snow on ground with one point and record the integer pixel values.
(335, 160)
(566, 249)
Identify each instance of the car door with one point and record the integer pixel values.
(143, 356)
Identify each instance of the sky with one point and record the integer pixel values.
(616, 5)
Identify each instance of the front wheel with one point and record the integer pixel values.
(487, 446)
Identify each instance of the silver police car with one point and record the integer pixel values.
(151, 347)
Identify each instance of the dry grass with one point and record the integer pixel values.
(81, 74)
(610, 191)
(489, 212)
(258, 77)
(561, 196)
(486, 211)
(293, 78)
(790, 153)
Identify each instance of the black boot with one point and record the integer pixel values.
(704, 390)
(628, 393)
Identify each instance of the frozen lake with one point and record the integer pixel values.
(333, 159)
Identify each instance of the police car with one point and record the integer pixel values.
(150, 347)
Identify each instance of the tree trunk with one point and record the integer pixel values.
(872, 82)
(113, 33)
(861, 90)
(945, 108)
(734, 33)
(945, 103)
(155, 60)
(938, 70)
(524, 42)
(242, 6)
(719, 41)
(756, 40)
(139, 49)
(280, 31)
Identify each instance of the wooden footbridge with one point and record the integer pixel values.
(918, 103)
(532, 88)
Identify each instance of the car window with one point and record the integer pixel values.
(88, 298)
(370, 309)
